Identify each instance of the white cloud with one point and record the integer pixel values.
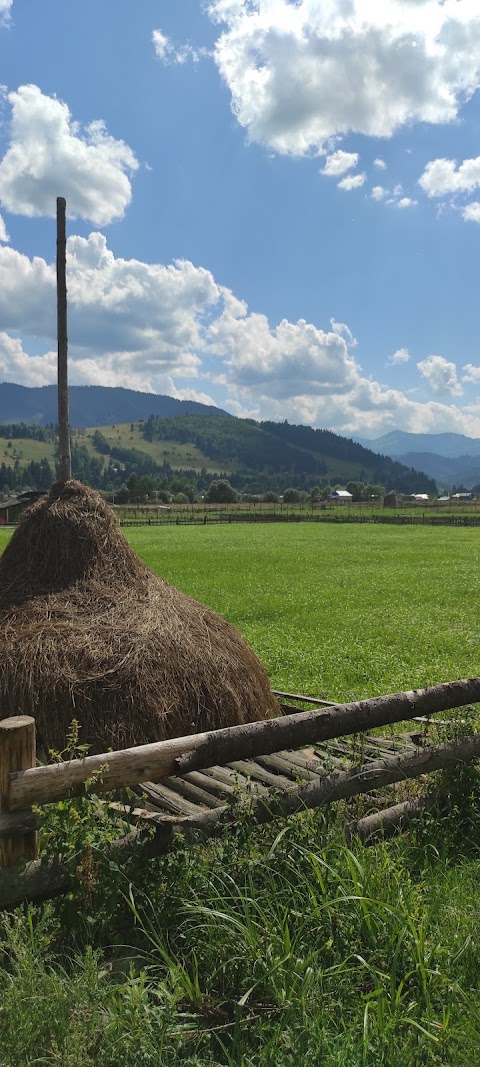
(17, 366)
(471, 212)
(167, 52)
(48, 154)
(173, 329)
(378, 192)
(442, 176)
(355, 181)
(130, 323)
(3, 230)
(343, 331)
(472, 373)
(380, 163)
(339, 162)
(302, 73)
(282, 362)
(406, 201)
(161, 44)
(5, 9)
(402, 355)
(441, 375)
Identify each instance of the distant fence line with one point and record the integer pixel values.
(228, 519)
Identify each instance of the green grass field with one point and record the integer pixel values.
(278, 946)
(346, 611)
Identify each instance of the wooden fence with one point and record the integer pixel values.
(24, 786)
(340, 516)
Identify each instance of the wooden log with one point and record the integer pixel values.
(214, 784)
(17, 752)
(180, 755)
(34, 883)
(280, 765)
(44, 879)
(19, 822)
(391, 820)
(295, 731)
(194, 793)
(256, 774)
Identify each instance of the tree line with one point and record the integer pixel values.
(256, 459)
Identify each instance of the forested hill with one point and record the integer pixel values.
(273, 448)
(91, 405)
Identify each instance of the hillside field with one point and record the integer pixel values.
(229, 445)
(129, 435)
(279, 945)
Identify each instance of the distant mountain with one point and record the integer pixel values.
(449, 458)
(92, 405)
(398, 443)
(447, 472)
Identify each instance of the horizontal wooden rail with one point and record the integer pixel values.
(114, 770)
(42, 880)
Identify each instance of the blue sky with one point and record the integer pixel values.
(273, 206)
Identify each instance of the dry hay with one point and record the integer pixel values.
(88, 632)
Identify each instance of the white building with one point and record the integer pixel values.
(341, 494)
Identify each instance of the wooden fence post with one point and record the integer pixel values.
(17, 753)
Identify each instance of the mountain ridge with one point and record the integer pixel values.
(400, 443)
(92, 405)
(449, 458)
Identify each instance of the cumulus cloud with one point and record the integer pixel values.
(471, 212)
(132, 320)
(472, 373)
(404, 202)
(442, 176)
(402, 355)
(300, 74)
(17, 366)
(48, 151)
(380, 163)
(3, 231)
(339, 162)
(378, 192)
(441, 375)
(173, 329)
(355, 181)
(286, 361)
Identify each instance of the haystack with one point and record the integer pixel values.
(88, 632)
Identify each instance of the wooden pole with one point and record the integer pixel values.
(17, 752)
(180, 755)
(64, 457)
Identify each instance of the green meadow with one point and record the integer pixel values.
(347, 611)
(344, 611)
(277, 946)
